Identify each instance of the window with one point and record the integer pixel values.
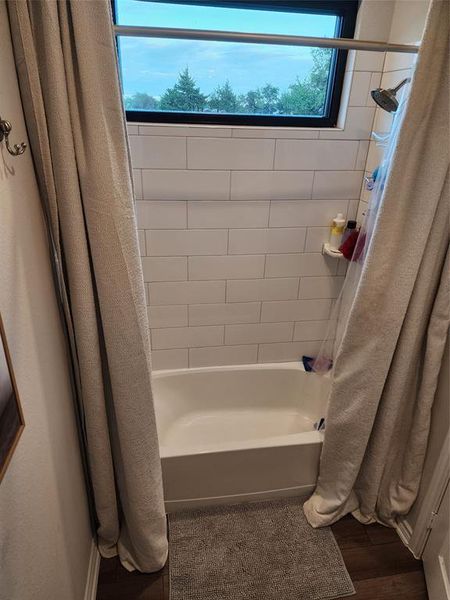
(170, 77)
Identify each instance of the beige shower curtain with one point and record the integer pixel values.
(66, 63)
(386, 370)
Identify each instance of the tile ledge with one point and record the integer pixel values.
(232, 127)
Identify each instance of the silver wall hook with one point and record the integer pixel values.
(5, 130)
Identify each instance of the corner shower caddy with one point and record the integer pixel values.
(328, 250)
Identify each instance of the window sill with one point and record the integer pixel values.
(180, 129)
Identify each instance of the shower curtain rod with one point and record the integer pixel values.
(263, 38)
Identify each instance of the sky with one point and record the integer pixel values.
(152, 65)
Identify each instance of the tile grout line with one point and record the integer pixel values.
(311, 196)
(247, 170)
(298, 288)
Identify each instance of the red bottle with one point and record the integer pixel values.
(349, 244)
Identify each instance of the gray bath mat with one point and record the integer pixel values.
(257, 551)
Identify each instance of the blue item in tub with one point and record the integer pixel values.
(375, 173)
(308, 362)
(320, 424)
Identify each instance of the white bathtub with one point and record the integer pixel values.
(231, 434)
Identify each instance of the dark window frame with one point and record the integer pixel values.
(345, 9)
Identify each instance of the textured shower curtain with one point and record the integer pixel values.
(387, 366)
(66, 64)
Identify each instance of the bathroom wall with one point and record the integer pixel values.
(45, 540)
(232, 220)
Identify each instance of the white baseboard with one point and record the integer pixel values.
(404, 531)
(92, 574)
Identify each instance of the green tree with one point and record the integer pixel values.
(252, 102)
(301, 99)
(263, 100)
(223, 99)
(321, 67)
(141, 101)
(307, 96)
(185, 95)
(270, 98)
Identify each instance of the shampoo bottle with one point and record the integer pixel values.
(337, 229)
(351, 226)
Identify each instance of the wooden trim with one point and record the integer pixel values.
(4, 466)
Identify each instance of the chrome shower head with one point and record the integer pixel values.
(386, 99)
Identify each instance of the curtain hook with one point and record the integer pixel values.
(5, 130)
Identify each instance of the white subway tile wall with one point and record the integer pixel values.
(170, 359)
(168, 316)
(295, 310)
(165, 268)
(223, 355)
(231, 224)
(227, 313)
(216, 215)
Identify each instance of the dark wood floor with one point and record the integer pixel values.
(379, 564)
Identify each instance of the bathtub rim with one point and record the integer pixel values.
(293, 439)
(285, 366)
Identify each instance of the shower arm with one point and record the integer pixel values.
(400, 85)
(263, 38)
